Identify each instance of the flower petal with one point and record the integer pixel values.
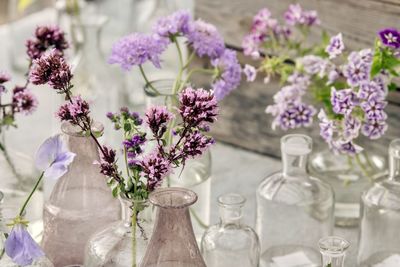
(58, 169)
(47, 152)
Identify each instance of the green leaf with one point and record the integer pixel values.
(127, 127)
(115, 191)
(392, 87)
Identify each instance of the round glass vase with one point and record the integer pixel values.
(349, 177)
(115, 246)
(196, 175)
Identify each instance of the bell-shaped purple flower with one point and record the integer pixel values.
(53, 157)
(21, 247)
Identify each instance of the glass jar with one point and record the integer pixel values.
(349, 177)
(80, 204)
(379, 235)
(113, 246)
(230, 242)
(172, 243)
(294, 209)
(333, 251)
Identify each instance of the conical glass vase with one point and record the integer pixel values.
(173, 243)
(333, 251)
(80, 204)
(115, 246)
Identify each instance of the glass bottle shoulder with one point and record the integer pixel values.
(383, 194)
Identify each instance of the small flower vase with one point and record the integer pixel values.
(349, 177)
(196, 174)
(80, 204)
(173, 243)
(115, 246)
(333, 251)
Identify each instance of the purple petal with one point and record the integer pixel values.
(21, 247)
(47, 152)
(60, 166)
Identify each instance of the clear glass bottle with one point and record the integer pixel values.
(230, 242)
(333, 251)
(173, 243)
(294, 209)
(379, 237)
(80, 204)
(113, 245)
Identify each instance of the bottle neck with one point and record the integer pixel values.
(294, 165)
(141, 208)
(230, 215)
(394, 168)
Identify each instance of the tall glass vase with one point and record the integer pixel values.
(80, 204)
(349, 177)
(115, 246)
(173, 243)
(333, 251)
(196, 174)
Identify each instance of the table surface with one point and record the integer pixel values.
(233, 168)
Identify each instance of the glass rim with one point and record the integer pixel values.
(187, 197)
(284, 142)
(333, 244)
(74, 130)
(231, 200)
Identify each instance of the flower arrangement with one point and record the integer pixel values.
(202, 37)
(350, 86)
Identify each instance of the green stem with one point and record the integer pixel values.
(10, 163)
(21, 212)
(362, 167)
(148, 83)
(189, 60)
(178, 47)
(134, 221)
(191, 72)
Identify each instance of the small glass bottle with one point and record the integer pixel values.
(80, 204)
(379, 236)
(173, 243)
(333, 251)
(113, 245)
(230, 243)
(294, 210)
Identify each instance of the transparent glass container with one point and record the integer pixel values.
(196, 174)
(80, 204)
(349, 177)
(294, 209)
(333, 251)
(173, 243)
(230, 242)
(7, 214)
(113, 246)
(379, 237)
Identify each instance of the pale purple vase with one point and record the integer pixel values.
(80, 204)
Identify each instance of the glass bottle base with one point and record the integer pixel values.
(290, 255)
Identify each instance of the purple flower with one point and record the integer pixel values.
(263, 24)
(310, 17)
(195, 144)
(157, 120)
(250, 73)
(371, 87)
(374, 129)
(176, 23)
(46, 37)
(53, 157)
(24, 101)
(343, 101)
(134, 145)
(351, 127)
(357, 69)
(374, 108)
(4, 77)
(390, 37)
(206, 40)
(155, 168)
(327, 126)
(107, 162)
(346, 147)
(296, 115)
(74, 111)
(289, 94)
(197, 107)
(336, 46)
(312, 64)
(137, 49)
(299, 79)
(295, 15)
(251, 45)
(21, 247)
(229, 74)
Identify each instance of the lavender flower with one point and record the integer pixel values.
(296, 115)
(21, 247)
(390, 37)
(343, 101)
(327, 126)
(46, 37)
(351, 127)
(137, 49)
(195, 144)
(295, 15)
(107, 163)
(263, 24)
(74, 111)
(374, 129)
(371, 88)
(357, 69)
(176, 23)
(157, 119)
(229, 74)
(374, 108)
(53, 157)
(250, 73)
(251, 45)
(197, 107)
(336, 46)
(206, 40)
(134, 144)
(346, 147)
(155, 168)
(313, 64)
(24, 101)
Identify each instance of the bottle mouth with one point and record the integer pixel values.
(296, 144)
(394, 148)
(74, 130)
(231, 200)
(173, 197)
(333, 245)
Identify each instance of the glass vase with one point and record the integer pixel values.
(115, 246)
(379, 235)
(7, 214)
(196, 175)
(80, 204)
(349, 177)
(333, 251)
(294, 209)
(173, 243)
(230, 242)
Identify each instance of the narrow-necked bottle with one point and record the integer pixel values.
(379, 238)
(230, 242)
(294, 210)
(333, 251)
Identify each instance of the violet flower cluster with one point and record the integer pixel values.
(205, 40)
